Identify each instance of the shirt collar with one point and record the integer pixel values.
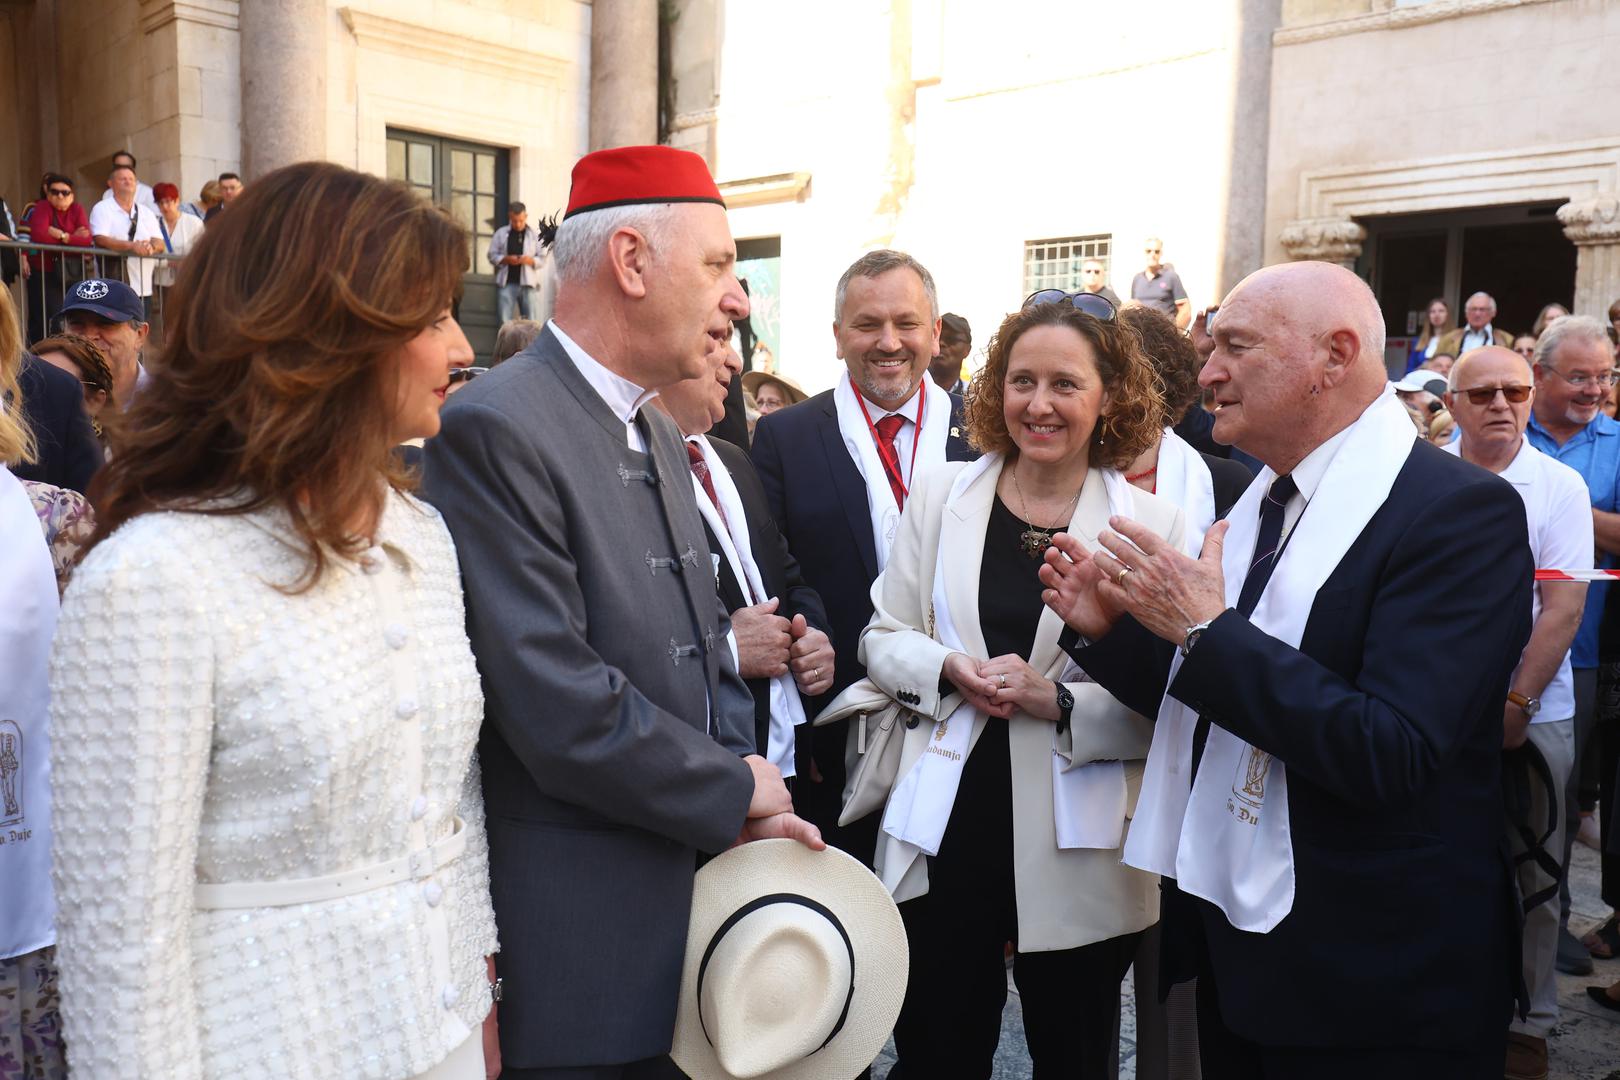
(908, 411)
(1309, 472)
(1601, 424)
(1486, 331)
(623, 397)
(1521, 471)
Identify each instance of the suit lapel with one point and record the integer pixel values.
(964, 524)
(849, 487)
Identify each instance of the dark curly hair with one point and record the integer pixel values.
(1135, 418)
(1172, 355)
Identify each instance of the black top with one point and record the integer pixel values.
(1009, 586)
(514, 240)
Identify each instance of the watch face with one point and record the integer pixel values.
(1065, 699)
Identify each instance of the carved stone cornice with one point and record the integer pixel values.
(1592, 221)
(156, 14)
(758, 190)
(696, 118)
(1336, 240)
(1393, 19)
(419, 42)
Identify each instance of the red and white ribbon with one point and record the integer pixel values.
(1577, 575)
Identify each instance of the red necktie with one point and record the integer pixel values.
(887, 429)
(700, 469)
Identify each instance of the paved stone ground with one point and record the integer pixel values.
(1585, 1045)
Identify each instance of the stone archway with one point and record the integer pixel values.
(1586, 175)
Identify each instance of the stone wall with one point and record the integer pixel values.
(1449, 105)
(958, 134)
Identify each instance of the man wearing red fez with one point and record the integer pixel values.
(619, 736)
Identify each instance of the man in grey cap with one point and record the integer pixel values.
(514, 252)
(109, 313)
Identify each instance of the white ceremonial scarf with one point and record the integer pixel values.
(787, 711)
(28, 609)
(1184, 478)
(1088, 800)
(862, 447)
(1227, 839)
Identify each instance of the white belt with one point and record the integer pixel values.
(257, 894)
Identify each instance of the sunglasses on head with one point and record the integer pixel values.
(465, 374)
(1484, 395)
(1094, 304)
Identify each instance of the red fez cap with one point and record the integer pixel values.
(626, 175)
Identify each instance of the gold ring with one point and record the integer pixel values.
(1119, 579)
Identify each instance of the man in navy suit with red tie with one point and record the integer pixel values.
(836, 469)
(1330, 815)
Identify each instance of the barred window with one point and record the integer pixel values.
(1055, 264)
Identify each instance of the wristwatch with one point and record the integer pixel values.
(1530, 705)
(1194, 632)
(1065, 704)
(495, 989)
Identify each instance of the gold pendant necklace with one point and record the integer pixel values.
(1034, 541)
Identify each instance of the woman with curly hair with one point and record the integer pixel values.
(1009, 807)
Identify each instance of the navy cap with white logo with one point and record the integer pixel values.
(112, 300)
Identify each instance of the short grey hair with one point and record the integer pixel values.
(582, 239)
(877, 263)
(1486, 295)
(513, 337)
(1583, 328)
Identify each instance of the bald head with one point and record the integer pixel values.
(1298, 357)
(1493, 358)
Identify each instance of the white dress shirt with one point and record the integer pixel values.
(621, 395)
(1308, 477)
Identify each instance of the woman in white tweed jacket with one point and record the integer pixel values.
(269, 851)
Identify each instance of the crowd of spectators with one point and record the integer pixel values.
(129, 222)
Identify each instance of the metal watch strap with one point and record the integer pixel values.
(1194, 632)
(495, 989)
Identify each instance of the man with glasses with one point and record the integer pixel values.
(1478, 329)
(1489, 395)
(1574, 370)
(123, 224)
(1159, 286)
(1094, 279)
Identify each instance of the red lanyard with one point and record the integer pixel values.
(891, 465)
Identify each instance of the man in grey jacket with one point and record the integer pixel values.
(618, 742)
(514, 252)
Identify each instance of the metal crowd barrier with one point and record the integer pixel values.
(41, 295)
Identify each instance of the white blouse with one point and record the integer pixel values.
(211, 729)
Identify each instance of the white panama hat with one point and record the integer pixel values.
(796, 964)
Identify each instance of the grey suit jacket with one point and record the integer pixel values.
(614, 715)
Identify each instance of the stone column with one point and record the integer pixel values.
(1334, 240)
(1243, 240)
(624, 73)
(1593, 225)
(283, 83)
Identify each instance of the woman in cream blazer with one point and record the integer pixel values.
(1008, 814)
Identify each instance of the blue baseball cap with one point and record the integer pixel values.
(112, 300)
